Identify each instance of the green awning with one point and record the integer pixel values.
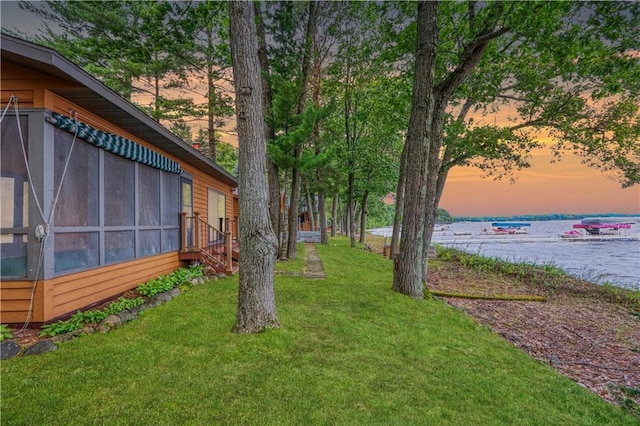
(116, 144)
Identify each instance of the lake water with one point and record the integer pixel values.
(613, 262)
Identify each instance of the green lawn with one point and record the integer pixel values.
(350, 351)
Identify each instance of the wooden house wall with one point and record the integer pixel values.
(201, 185)
(62, 295)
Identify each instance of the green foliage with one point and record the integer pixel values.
(62, 327)
(81, 318)
(167, 282)
(227, 157)
(148, 289)
(443, 216)
(5, 332)
(379, 214)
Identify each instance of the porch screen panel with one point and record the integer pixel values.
(170, 239)
(76, 250)
(14, 198)
(149, 242)
(119, 191)
(77, 204)
(170, 207)
(148, 196)
(170, 199)
(119, 246)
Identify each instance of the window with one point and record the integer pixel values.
(187, 207)
(217, 210)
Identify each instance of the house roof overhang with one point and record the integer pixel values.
(94, 96)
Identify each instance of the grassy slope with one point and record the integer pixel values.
(350, 352)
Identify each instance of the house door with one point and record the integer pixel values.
(186, 196)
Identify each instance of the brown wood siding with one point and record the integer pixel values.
(62, 295)
(28, 85)
(72, 292)
(15, 298)
(201, 184)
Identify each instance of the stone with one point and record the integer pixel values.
(111, 321)
(213, 278)
(9, 349)
(126, 316)
(67, 336)
(41, 347)
(174, 292)
(161, 297)
(136, 310)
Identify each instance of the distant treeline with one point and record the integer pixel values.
(533, 217)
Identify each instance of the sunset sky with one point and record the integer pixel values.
(563, 187)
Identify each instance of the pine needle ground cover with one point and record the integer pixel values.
(350, 351)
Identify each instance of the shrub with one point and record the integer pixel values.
(5, 332)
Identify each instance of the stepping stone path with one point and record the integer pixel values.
(313, 265)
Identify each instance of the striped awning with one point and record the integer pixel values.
(116, 144)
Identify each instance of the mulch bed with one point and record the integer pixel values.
(578, 331)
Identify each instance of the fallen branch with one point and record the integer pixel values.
(512, 298)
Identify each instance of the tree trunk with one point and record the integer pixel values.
(437, 178)
(363, 217)
(292, 247)
(312, 220)
(351, 210)
(314, 209)
(296, 176)
(256, 297)
(211, 101)
(397, 218)
(284, 218)
(322, 217)
(334, 215)
(407, 277)
(274, 181)
(471, 57)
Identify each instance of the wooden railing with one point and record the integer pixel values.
(200, 237)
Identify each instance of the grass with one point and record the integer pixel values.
(293, 266)
(350, 351)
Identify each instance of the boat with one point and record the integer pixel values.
(604, 225)
(509, 228)
(572, 234)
